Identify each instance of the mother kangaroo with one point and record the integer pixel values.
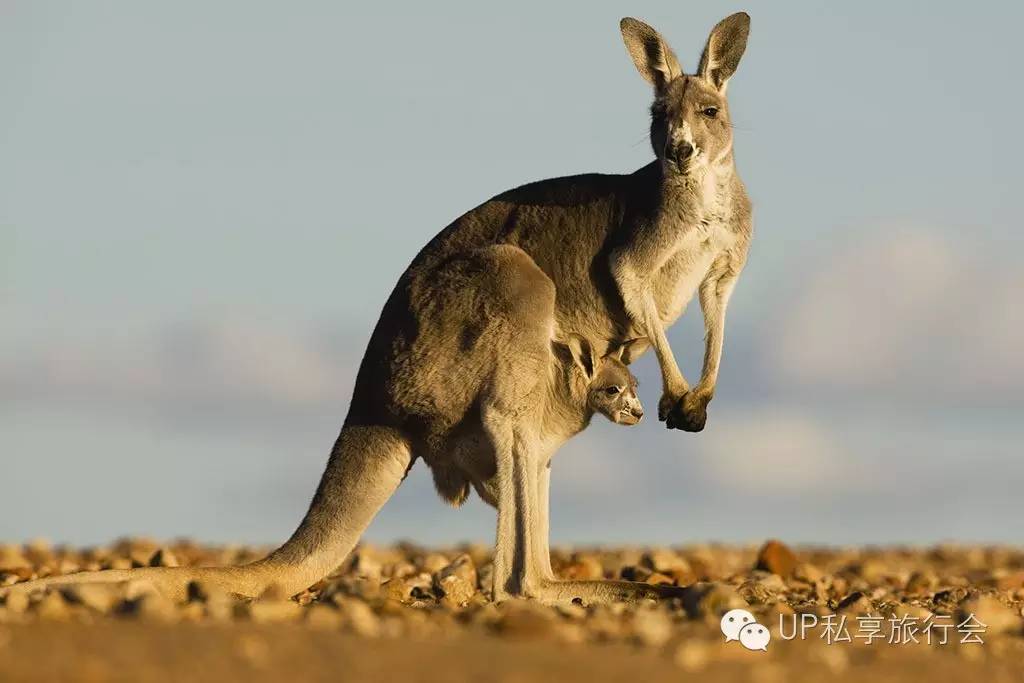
(456, 371)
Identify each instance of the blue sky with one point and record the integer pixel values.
(203, 207)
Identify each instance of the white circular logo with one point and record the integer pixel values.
(755, 637)
(733, 621)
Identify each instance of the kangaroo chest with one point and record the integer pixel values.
(678, 280)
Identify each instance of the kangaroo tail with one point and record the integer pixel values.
(367, 464)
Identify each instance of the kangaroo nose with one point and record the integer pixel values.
(679, 152)
(638, 412)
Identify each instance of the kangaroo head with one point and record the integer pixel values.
(612, 392)
(690, 126)
(610, 386)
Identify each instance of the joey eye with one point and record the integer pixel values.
(710, 112)
(612, 391)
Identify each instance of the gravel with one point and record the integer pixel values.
(440, 593)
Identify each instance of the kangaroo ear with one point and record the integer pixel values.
(653, 57)
(725, 46)
(582, 354)
(628, 350)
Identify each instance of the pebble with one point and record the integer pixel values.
(711, 600)
(692, 656)
(652, 627)
(526, 619)
(664, 561)
(584, 568)
(657, 578)
(12, 557)
(1010, 581)
(397, 589)
(268, 612)
(922, 582)
(462, 568)
(164, 557)
(807, 572)
(17, 602)
(855, 603)
(989, 610)
(99, 597)
(453, 597)
(365, 565)
(154, 607)
(775, 557)
(359, 618)
(52, 608)
(432, 562)
(323, 617)
(455, 590)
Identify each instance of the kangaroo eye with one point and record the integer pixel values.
(710, 112)
(612, 391)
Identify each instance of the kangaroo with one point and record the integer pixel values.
(462, 369)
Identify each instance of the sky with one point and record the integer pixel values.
(204, 205)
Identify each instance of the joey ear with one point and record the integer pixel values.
(725, 47)
(628, 350)
(582, 354)
(653, 57)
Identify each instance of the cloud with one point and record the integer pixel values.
(773, 450)
(206, 373)
(905, 313)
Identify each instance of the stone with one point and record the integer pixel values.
(710, 600)
(583, 567)
(323, 617)
(17, 602)
(154, 607)
(776, 557)
(855, 603)
(12, 557)
(455, 591)
(921, 582)
(651, 627)
(39, 552)
(692, 655)
(657, 579)
(664, 560)
(359, 618)
(432, 562)
(52, 608)
(807, 572)
(99, 597)
(485, 577)
(526, 619)
(366, 564)
(462, 568)
(989, 610)
(164, 557)
(762, 589)
(274, 606)
(1010, 580)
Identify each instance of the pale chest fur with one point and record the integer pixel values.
(699, 247)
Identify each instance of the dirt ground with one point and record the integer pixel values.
(419, 614)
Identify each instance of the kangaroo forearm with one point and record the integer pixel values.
(714, 298)
(638, 300)
(712, 360)
(671, 376)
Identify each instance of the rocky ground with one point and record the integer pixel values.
(420, 614)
